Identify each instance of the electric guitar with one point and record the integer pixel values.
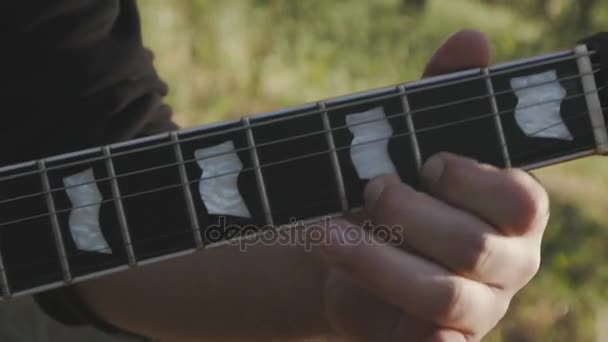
(81, 215)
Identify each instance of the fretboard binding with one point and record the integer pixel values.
(196, 228)
(497, 119)
(57, 235)
(409, 121)
(559, 160)
(334, 158)
(75, 280)
(170, 256)
(258, 173)
(120, 211)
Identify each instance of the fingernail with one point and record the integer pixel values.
(432, 170)
(373, 190)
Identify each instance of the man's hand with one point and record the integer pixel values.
(469, 243)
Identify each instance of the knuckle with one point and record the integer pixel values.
(495, 310)
(503, 306)
(376, 187)
(447, 170)
(391, 200)
(499, 308)
(530, 198)
(454, 310)
(472, 307)
(529, 267)
(479, 255)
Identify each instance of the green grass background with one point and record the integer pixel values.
(224, 59)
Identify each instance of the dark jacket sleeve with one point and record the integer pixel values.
(74, 75)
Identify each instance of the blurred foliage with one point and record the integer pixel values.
(227, 58)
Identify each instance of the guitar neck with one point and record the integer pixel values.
(73, 217)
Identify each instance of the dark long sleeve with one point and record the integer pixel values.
(74, 75)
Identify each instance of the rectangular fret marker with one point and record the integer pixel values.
(594, 105)
(410, 126)
(497, 121)
(120, 211)
(187, 193)
(258, 172)
(334, 158)
(50, 203)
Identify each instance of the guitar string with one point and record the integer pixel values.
(332, 129)
(526, 152)
(320, 153)
(317, 111)
(592, 146)
(266, 165)
(190, 231)
(292, 138)
(173, 234)
(294, 116)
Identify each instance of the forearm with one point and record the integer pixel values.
(223, 294)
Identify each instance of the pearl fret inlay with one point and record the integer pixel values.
(218, 186)
(369, 147)
(84, 217)
(538, 109)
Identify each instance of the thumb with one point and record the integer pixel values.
(463, 50)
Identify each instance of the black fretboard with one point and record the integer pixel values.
(296, 165)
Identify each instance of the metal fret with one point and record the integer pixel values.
(497, 121)
(120, 211)
(410, 126)
(196, 228)
(334, 158)
(50, 203)
(6, 289)
(258, 172)
(594, 105)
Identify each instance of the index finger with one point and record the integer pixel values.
(510, 200)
